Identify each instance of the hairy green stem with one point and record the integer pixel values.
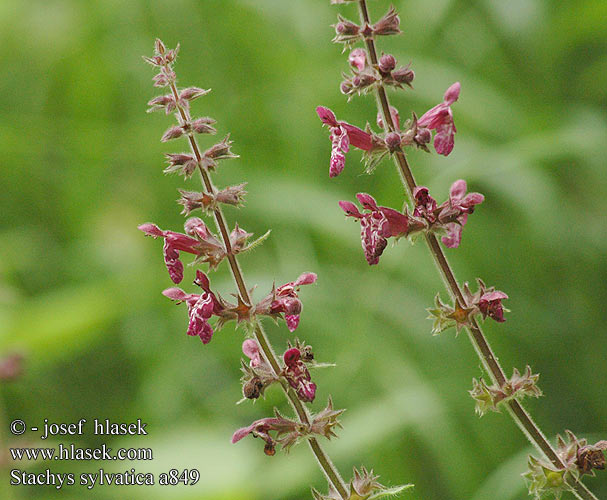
(475, 334)
(329, 470)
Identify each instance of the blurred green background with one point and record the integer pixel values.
(80, 286)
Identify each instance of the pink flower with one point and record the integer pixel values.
(358, 59)
(261, 428)
(298, 376)
(284, 300)
(198, 240)
(342, 135)
(200, 307)
(440, 118)
(377, 225)
(458, 207)
(173, 243)
(251, 350)
(490, 304)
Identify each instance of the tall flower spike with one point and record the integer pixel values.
(446, 218)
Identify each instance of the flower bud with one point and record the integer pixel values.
(404, 75)
(346, 87)
(423, 136)
(393, 141)
(172, 133)
(347, 28)
(388, 25)
(387, 63)
(363, 80)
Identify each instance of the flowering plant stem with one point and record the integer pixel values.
(475, 334)
(323, 459)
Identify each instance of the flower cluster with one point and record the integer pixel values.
(485, 301)
(488, 397)
(578, 457)
(379, 223)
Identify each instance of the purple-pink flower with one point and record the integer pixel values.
(284, 300)
(200, 307)
(490, 304)
(376, 225)
(440, 119)
(452, 215)
(358, 59)
(458, 207)
(342, 135)
(298, 376)
(251, 350)
(173, 244)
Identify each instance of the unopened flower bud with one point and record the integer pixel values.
(363, 80)
(203, 126)
(393, 141)
(387, 63)
(269, 449)
(346, 27)
(232, 195)
(423, 136)
(159, 46)
(388, 25)
(172, 133)
(346, 87)
(404, 75)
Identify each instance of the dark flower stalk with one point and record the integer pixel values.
(264, 367)
(564, 467)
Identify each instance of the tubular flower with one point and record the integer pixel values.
(284, 300)
(342, 135)
(377, 225)
(200, 307)
(459, 206)
(490, 304)
(450, 216)
(440, 119)
(173, 244)
(298, 376)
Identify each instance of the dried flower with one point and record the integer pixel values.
(440, 118)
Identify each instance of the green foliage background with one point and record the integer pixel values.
(80, 286)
